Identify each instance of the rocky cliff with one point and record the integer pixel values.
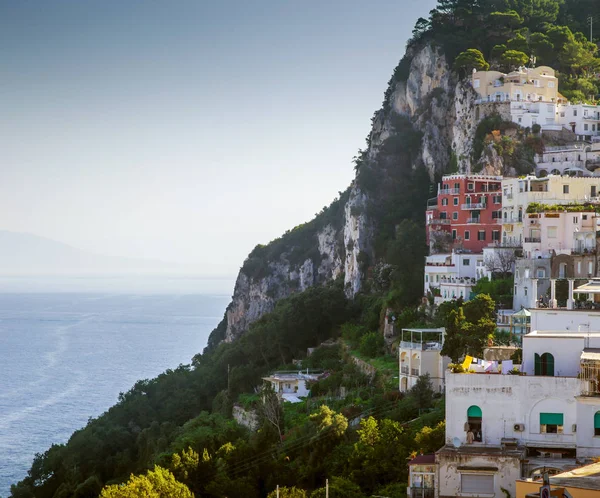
(428, 95)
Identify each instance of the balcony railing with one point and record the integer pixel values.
(473, 205)
(421, 492)
(452, 191)
(533, 240)
(438, 221)
(474, 220)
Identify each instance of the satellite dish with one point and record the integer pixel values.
(456, 442)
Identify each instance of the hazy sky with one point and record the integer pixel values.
(187, 131)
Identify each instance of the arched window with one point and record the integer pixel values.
(544, 365)
(474, 422)
(597, 424)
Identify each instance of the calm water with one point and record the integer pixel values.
(65, 358)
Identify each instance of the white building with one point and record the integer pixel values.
(518, 193)
(559, 232)
(581, 119)
(577, 159)
(450, 276)
(500, 428)
(291, 385)
(419, 353)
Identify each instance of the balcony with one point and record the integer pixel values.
(473, 205)
(449, 191)
(473, 220)
(438, 221)
(533, 240)
(422, 346)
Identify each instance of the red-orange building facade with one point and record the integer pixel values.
(469, 208)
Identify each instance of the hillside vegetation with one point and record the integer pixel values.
(175, 433)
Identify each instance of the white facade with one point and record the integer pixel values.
(291, 383)
(558, 232)
(548, 418)
(575, 159)
(419, 353)
(518, 193)
(450, 276)
(582, 119)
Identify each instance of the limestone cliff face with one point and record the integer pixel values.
(441, 107)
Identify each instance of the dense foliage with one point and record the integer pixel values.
(504, 34)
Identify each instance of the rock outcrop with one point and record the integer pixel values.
(441, 107)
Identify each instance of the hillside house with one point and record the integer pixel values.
(291, 385)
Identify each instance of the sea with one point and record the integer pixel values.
(66, 356)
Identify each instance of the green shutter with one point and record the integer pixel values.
(551, 419)
(597, 420)
(547, 362)
(474, 411)
(537, 364)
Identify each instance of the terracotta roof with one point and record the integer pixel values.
(422, 460)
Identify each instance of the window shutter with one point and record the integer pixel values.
(477, 483)
(597, 420)
(537, 364)
(551, 419)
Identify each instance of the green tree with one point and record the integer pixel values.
(339, 487)
(470, 59)
(157, 483)
(514, 58)
(371, 344)
(431, 439)
(285, 492)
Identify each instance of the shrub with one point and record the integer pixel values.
(371, 345)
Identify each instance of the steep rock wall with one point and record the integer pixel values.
(441, 107)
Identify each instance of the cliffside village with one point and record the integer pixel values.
(519, 429)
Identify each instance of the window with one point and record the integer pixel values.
(455, 201)
(457, 186)
(543, 365)
(597, 424)
(426, 278)
(495, 235)
(575, 219)
(466, 262)
(443, 215)
(579, 267)
(470, 187)
(593, 191)
(565, 189)
(552, 232)
(593, 127)
(541, 273)
(574, 112)
(584, 216)
(517, 273)
(453, 234)
(525, 291)
(474, 418)
(455, 216)
(497, 199)
(590, 268)
(551, 423)
(445, 201)
(467, 235)
(477, 483)
(551, 84)
(562, 270)
(481, 235)
(585, 127)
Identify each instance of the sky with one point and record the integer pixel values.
(186, 130)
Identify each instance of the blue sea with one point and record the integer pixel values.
(65, 357)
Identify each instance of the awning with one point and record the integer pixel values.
(551, 419)
(591, 354)
(592, 287)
